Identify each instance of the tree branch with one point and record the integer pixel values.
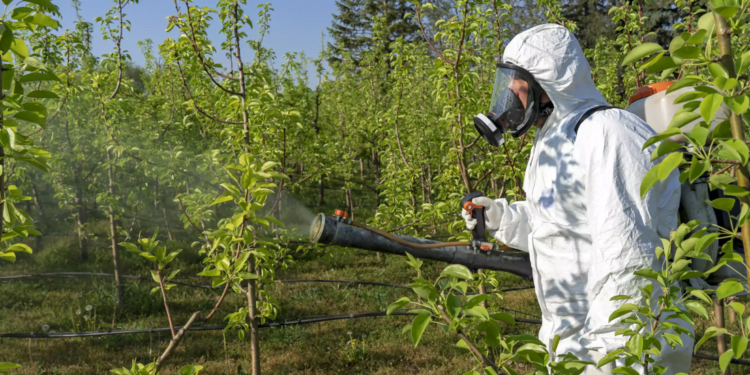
(192, 99)
(424, 34)
(200, 56)
(119, 54)
(398, 139)
(485, 361)
(175, 341)
(166, 303)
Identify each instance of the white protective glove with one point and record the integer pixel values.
(492, 214)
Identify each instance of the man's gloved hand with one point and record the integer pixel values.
(491, 212)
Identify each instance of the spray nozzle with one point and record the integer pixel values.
(341, 216)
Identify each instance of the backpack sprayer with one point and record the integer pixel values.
(651, 103)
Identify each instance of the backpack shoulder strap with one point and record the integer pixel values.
(590, 112)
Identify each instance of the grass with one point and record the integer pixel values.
(321, 348)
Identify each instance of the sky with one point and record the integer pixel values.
(296, 25)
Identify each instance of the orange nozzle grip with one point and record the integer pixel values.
(341, 213)
(470, 206)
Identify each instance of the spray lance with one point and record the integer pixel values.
(342, 231)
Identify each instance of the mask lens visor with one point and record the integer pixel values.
(512, 99)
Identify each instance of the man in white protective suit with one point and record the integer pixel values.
(583, 223)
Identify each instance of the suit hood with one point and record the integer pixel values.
(552, 54)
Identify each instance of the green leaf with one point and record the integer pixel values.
(475, 300)
(687, 52)
(737, 307)
(724, 204)
(398, 305)
(8, 138)
(669, 163)
(33, 117)
(649, 180)
(623, 310)
(665, 147)
(458, 271)
(681, 119)
(697, 37)
(425, 290)
(705, 241)
(690, 96)
(6, 365)
(190, 370)
(635, 345)
(641, 51)
(247, 275)
(221, 199)
(727, 12)
(418, 326)
(710, 105)
(725, 359)
(19, 47)
(698, 136)
(697, 169)
(6, 40)
(42, 94)
(737, 150)
(19, 248)
(43, 20)
(684, 82)
(453, 305)
(738, 104)
(503, 317)
(739, 345)
(717, 70)
(625, 371)
(478, 311)
(706, 22)
(720, 181)
(210, 273)
(38, 76)
(661, 136)
(728, 288)
(697, 308)
(710, 333)
(647, 273)
(46, 4)
(701, 295)
(491, 333)
(664, 63)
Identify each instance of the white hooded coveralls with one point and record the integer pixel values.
(584, 222)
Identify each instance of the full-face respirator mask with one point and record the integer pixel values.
(515, 105)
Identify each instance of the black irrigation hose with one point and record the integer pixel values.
(83, 274)
(715, 358)
(324, 318)
(343, 282)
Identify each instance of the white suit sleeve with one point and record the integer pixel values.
(623, 226)
(515, 225)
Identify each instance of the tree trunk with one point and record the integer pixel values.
(113, 234)
(721, 340)
(321, 191)
(159, 194)
(35, 195)
(252, 297)
(723, 39)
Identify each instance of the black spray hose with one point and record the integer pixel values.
(333, 231)
(423, 246)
